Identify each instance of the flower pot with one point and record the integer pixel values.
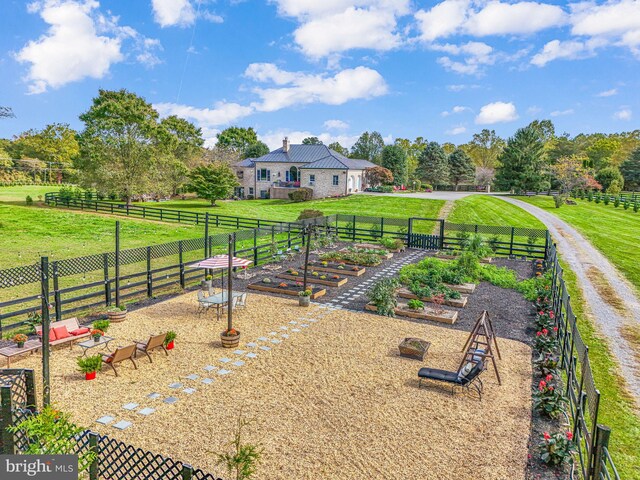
(117, 316)
(90, 376)
(206, 285)
(230, 341)
(304, 301)
(20, 344)
(170, 345)
(96, 338)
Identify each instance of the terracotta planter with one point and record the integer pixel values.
(90, 376)
(230, 341)
(304, 301)
(117, 316)
(170, 345)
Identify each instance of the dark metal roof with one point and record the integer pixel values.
(247, 162)
(314, 156)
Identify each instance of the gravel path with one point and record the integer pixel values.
(589, 264)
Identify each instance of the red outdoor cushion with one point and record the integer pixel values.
(79, 331)
(52, 334)
(61, 332)
(109, 359)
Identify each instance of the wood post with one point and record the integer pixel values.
(601, 442)
(107, 282)
(187, 472)
(118, 263)
(93, 446)
(46, 322)
(56, 292)
(180, 261)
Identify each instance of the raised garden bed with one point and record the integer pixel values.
(463, 287)
(445, 256)
(415, 348)
(442, 316)
(373, 246)
(329, 279)
(287, 288)
(335, 268)
(452, 302)
(383, 253)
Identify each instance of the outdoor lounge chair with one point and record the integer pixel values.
(154, 342)
(203, 305)
(242, 301)
(121, 354)
(455, 379)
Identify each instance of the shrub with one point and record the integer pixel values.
(545, 320)
(627, 204)
(607, 199)
(391, 243)
(170, 337)
(302, 194)
(558, 448)
(597, 198)
(242, 460)
(310, 213)
(590, 196)
(547, 399)
(616, 201)
(414, 304)
(102, 325)
(383, 296)
(386, 189)
(29, 200)
(558, 200)
(468, 265)
(636, 206)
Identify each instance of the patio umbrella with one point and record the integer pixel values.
(221, 262)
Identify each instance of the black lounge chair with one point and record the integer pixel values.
(456, 379)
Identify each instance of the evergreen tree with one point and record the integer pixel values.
(433, 167)
(461, 168)
(630, 170)
(395, 160)
(607, 176)
(523, 162)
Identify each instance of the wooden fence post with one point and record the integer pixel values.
(56, 292)
(181, 264)
(353, 235)
(6, 420)
(513, 230)
(107, 282)
(93, 446)
(117, 273)
(46, 322)
(32, 400)
(149, 274)
(255, 247)
(187, 471)
(441, 241)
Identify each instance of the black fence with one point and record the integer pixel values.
(592, 438)
(114, 459)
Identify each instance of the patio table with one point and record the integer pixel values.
(219, 300)
(29, 347)
(89, 344)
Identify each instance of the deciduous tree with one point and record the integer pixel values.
(368, 147)
(311, 141)
(213, 182)
(256, 150)
(336, 147)
(484, 148)
(607, 176)
(375, 176)
(237, 139)
(570, 173)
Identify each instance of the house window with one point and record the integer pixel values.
(312, 179)
(264, 194)
(263, 174)
(336, 179)
(240, 174)
(250, 190)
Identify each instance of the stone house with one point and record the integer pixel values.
(275, 174)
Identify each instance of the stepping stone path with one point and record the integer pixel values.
(193, 376)
(207, 381)
(170, 400)
(239, 363)
(251, 355)
(106, 420)
(175, 385)
(189, 391)
(224, 372)
(225, 360)
(130, 406)
(266, 349)
(210, 368)
(146, 411)
(122, 425)
(239, 352)
(154, 396)
(252, 344)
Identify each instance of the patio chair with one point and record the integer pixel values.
(154, 342)
(234, 304)
(468, 376)
(241, 301)
(203, 305)
(120, 355)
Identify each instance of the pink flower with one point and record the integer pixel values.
(549, 378)
(545, 331)
(538, 334)
(546, 435)
(540, 313)
(551, 389)
(541, 385)
(551, 315)
(569, 436)
(555, 329)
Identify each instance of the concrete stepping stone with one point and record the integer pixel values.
(273, 333)
(295, 330)
(175, 385)
(263, 339)
(225, 360)
(239, 352)
(146, 411)
(189, 390)
(252, 344)
(313, 320)
(130, 406)
(170, 400)
(266, 349)
(251, 355)
(285, 335)
(276, 341)
(193, 376)
(207, 381)
(106, 420)
(293, 322)
(210, 368)
(122, 425)
(304, 325)
(239, 363)
(154, 396)
(224, 372)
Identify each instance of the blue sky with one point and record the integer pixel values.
(331, 68)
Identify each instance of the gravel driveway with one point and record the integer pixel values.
(582, 257)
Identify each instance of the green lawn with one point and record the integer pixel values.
(613, 231)
(367, 205)
(485, 210)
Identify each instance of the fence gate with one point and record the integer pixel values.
(425, 233)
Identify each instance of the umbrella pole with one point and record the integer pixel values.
(230, 285)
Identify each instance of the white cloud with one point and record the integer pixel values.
(222, 114)
(72, 48)
(568, 49)
(334, 26)
(533, 110)
(168, 13)
(497, 112)
(297, 88)
(456, 130)
(336, 125)
(460, 87)
(477, 55)
(608, 93)
(561, 113)
(483, 19)
(454, 110)
(623, 114)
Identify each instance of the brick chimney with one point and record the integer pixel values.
(285, 144)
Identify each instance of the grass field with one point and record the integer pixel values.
(613, 231)
(485, 210)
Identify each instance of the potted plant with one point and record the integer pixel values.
(168, 340)
(89, 366)
(20, 338)
(96, 334)
(102, 325)
(117, 314)
(206, 283)
(304, 297)
(230, 338)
